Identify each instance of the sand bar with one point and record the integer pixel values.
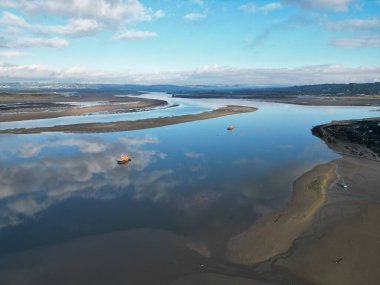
(136, 125)
(274, 234)
(344, 246)
(52, 110)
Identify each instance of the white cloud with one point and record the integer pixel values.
(8, 3)
(355, 24)
(194, 154)
(140, 140)
(253, 8)
(111, 11)
(135, 35)
(55, 179)
(337, 5)
(356, 42)
(9, 19)
(287, 76)
(85, 146)
(213, 74)
(40, 42)
(11, 53)
(194, 16)
(84, 17)
(75, 27)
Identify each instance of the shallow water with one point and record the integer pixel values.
(185, 107)
(194, 180)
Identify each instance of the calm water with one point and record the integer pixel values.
(194, 180)
(186, 106)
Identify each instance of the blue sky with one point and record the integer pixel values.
(190, 41)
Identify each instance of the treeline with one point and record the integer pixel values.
(352, 89)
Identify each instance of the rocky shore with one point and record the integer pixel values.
(354, 137)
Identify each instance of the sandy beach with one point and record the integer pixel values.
(136, 125)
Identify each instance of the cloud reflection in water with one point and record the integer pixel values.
(90, 171)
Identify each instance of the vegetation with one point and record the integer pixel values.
(352, 89)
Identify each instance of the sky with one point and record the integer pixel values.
(188, 42)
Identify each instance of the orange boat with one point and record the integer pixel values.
(123, 159)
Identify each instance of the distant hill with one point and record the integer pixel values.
(337, 89)
(352, 89)
(205, 91)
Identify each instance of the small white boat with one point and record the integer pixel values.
(343, 185)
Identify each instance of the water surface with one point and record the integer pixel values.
(196, 180)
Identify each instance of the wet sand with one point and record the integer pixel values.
(76, 111)
(344, 245)
(274, 234)
(47, 110)
(138, 257)
(215, 279)
(330, 235)
(321, 237)
(116, 258)
(136, 125)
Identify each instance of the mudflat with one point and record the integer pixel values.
(136, 125)
(123, 257)
(274, 234)
(329, 231)
(21, 107)
(344, 245)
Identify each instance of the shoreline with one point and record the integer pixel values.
(274, 233)
(135, 125)
(44, 111)
(342, 246)
(324, 235)
(357, 138)
(328, 236)
(326, 101)
(295, 100)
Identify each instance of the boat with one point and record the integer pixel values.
(343, 185)
(123, 159)
(230, 127)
